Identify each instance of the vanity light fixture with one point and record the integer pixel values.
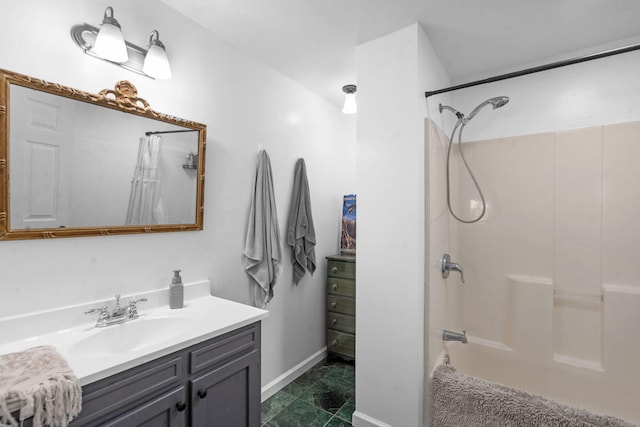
(108, 44)
(350, 106)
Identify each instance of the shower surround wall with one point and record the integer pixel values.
(551, 302)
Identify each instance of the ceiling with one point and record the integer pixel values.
(314, 41)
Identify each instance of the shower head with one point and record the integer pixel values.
(458, 114)
(497, 102)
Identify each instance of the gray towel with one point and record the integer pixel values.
(301, 235)
(262, 248)
(462, 400)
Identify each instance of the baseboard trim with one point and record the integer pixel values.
(283, 380)
(358, 419)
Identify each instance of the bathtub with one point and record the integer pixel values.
(564, 383)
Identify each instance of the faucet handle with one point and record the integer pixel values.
(132, 310)
(102, 311)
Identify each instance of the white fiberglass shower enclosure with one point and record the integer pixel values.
(551, 299)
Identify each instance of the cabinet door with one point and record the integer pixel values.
(228, 395)
(167, 410)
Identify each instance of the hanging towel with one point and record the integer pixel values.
(42, 379)
(301, 235)
(262, 248)
(462, 400)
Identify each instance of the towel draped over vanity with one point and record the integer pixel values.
(44, 385)
(262, 249)
(301, 234)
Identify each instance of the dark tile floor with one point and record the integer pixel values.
(324, 396)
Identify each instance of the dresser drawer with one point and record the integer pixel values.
(346, 287)
(338, 342)
(341, 322)
(344, 305)
(342, 269)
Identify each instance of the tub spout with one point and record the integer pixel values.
(448, 266)
(454, 336)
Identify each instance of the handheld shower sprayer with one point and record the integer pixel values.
(497, 102)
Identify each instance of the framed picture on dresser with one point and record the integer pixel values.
(348, 227)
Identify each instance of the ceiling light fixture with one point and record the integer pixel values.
(350, 106)
(107, 43)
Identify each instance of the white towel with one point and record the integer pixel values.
(262, 248)
(301, 235)
(40, 378)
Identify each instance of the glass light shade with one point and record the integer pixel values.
(156, 63)
(110, 44)
(350, 106)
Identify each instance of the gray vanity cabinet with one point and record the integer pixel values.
(159, 412)
(230, 394)
(213, 383)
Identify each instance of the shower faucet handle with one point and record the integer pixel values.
(448, 266)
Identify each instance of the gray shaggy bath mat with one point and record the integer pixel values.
(461, 400)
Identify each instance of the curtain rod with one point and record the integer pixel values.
(158, 132)
(537, 69)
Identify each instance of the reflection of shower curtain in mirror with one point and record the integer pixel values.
(145, 201)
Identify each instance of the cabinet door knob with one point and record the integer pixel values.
(334, 321)
(181, 406)
(334, 270)
(202, 393)
(333, 304)
(334, 286)
(334, 343)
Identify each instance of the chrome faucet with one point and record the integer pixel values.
(454, 336)
(118, 311)
(448, 266)
(118, 315)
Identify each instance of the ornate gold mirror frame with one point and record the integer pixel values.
(123, 98)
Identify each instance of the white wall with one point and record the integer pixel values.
(598, 92)
(245, 104)
(393, 73)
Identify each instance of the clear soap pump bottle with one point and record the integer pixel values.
(176, 291)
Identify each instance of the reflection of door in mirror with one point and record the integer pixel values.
(41, 127)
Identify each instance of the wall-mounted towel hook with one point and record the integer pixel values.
(260, 147)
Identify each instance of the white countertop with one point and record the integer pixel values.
(203, 317)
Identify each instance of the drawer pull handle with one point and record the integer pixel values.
(181, 406)
(202, 393)
(334, 343)
(334, 321)
(334, 270)
(334, 286)
(333, 304)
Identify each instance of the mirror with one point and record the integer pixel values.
(79, 164)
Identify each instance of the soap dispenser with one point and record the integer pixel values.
(176, 291)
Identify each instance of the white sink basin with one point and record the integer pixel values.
(131, 336)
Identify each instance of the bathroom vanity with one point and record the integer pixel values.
(196, 366)
(216, 382)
